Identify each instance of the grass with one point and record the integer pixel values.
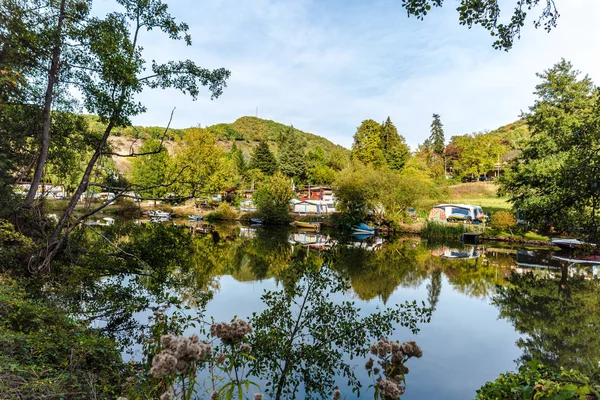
(490, 205)
(441, 231)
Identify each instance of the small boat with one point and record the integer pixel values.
(307, 225)
(570, 243)
(256, 221)
(363, 228)
(195, 218)
(159, 213)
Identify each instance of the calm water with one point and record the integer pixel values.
(493, 306)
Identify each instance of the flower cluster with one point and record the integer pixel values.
(177, 355)
(231, 333)
(392, 356)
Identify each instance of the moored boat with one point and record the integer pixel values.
(195, 218)
(307, 225)
(570, 243)
(363, 228)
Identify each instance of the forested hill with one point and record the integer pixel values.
(245, 131)
(252, 129)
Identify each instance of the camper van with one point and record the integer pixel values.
(458, 213)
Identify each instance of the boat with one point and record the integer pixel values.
(256, 221)
(307, 225)
(159, 214)
(363, 228)
(570, 243)
(195, 218)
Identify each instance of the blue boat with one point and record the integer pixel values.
(363, 228)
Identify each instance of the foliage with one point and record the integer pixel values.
(303, 338)
(223, 213)
(357, 191)
(263, 160)
(437, 231)
(436, 142)
(46, 354)
(478, 153)
(292, 161)
(14, 248)
(535, 380)
(150, 170)
(551, 182)
(487, 14)
(571, 303)
(272, 199)
(199, 167)
(367, 147)
(503, 220)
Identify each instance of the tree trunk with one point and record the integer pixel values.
(59, 233)
(46, 114)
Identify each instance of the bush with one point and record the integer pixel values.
(272, 199)
(439, 231)
(536, 381)
(503, 220)
(45, 354)
(224, 213)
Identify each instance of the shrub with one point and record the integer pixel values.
(272, 199)
(224, 212)
(45, 354)
(503, 220)
(536, 381)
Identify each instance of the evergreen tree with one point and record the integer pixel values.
(236, 155)
(292, 161)
(394, 146)
(367, 143)
(436, 140)
(263, 159)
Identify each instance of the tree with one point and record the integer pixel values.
(199, 167)
(394, 146)
(436, 141)
(357, 189)
(112, 78)
(272, 199)
(553, 180)
(150, 170)
(367, 146)
(236, 155)
(263, 159)
(487, 14)
(292, 161)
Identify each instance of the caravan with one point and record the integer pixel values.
(457, 213)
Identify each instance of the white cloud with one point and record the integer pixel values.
(326, 66)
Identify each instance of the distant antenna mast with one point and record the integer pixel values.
(256, 111)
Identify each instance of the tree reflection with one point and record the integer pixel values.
(559, 317)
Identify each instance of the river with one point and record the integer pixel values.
(493, 306)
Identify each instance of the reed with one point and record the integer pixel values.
(440, 231)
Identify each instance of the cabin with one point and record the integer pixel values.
(314, 207)
(457, 213)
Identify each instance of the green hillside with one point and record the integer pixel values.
(246, 131)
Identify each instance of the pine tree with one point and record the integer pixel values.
(395, 149)
(292, 160)
(236, 155)
(436, 139)
(263, 159)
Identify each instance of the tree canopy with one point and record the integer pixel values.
(553, 181)
(487, 14)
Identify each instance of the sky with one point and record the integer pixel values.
(325, 66)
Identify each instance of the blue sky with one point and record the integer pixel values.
(324, 66)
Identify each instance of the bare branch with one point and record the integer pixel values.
(134, 154)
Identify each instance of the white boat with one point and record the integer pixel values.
(570, 243)
(159, 213)
(195, 218)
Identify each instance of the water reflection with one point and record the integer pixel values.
(548, 303)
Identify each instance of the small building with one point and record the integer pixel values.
(316, 207)
(315, 193)
(247, 205)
